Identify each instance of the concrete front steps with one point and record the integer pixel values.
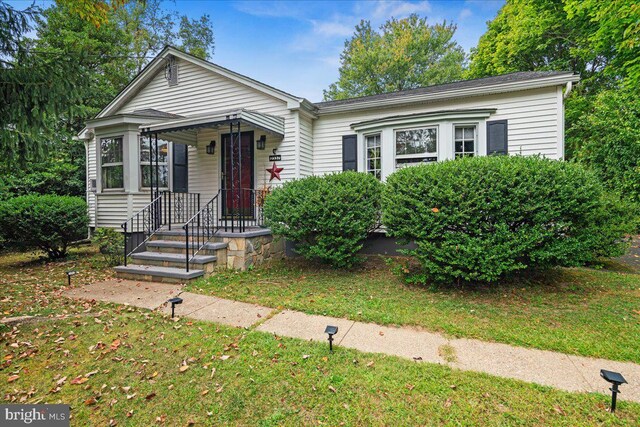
(163, 260)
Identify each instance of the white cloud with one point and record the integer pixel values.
(464, 14)
(332, 28)
(399, 9)
(271, 9)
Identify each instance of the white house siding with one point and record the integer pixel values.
(306, 145)
(200, 91)
(533, 125)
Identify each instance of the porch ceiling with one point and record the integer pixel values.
(185, 130)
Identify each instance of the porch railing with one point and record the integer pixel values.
(165, 209)
(228, 210)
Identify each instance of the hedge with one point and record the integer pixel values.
(49, 223)
(328, 217)
(482, 218)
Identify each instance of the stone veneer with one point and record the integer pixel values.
(251, 248)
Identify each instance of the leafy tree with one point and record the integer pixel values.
(610, 141)
(405, 54)
(34, 88)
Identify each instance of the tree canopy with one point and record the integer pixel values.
(600, 40)
(85, 52)
(404, 54)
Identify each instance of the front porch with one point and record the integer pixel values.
(180, 235)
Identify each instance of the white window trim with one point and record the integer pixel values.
(476, 137)
(168, 164)
(102, 165)
(366, 153)
(396, 156)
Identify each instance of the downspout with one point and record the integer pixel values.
(568, 89)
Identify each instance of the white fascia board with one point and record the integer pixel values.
(451, 94)
(121, 119)
(422, 118)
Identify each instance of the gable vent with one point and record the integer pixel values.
(171, 70)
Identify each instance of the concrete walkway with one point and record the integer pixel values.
(562, 371)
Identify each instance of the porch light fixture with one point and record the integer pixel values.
(174, 301)
(616, 379)
(211, 148)
(262, 142)
(331, 331)
(69, 274)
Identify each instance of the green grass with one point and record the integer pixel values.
(576, 311)
(265, 381)
(132, 357)
(32, 285)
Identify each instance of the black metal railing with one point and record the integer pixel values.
(228, 210)
(242, 208)
(200, 228)
(165, 209)
(178, 208)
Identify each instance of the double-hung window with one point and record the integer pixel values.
(464, 143)
(148, 162)
(112, 171)
(374, 163)
(416, 146)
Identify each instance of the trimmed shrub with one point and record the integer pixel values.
(327, 217)
(48, 223)
(110, 243)
(479, 219)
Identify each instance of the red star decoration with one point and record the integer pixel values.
(274, 171)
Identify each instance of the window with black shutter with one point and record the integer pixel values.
(497, 138)
(350, 153)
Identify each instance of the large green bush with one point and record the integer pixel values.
(48, 223)
(608, 141)
(110, 243)
(327, 217)
(479, 219)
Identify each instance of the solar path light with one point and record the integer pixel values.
(174, 301)
(331, 331)
(69, 274)
(616, 379)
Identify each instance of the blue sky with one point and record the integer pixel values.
(296, 45)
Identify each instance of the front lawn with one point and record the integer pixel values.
(32, 285)
(577, 311)
(132, 367)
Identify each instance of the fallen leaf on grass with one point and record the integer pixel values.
(90, 401)
(61, 381)
(448, 403)
(79, 380)
(12, 378)
(184, 368)
(559, 410)
(332, 389)
(204, 393)
(370, 364)
(150, 396)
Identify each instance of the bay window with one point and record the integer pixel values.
(112, 170)
(464, 143)
(374, 163)
(416, 146)
(148, 162)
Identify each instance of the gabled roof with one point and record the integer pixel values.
(156, 64)
(494, 84)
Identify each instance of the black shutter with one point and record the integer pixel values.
(180, 170)
(350, 153)
(497, 143)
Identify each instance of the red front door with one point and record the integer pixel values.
(237, 175)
